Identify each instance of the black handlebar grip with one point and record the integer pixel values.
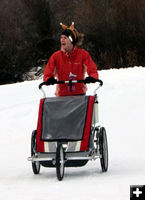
(100, 81)
(41, 84)
(62, 82)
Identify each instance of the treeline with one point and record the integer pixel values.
(25, 39)
(29, 32)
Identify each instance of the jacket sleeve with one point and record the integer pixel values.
(50, 68)
(90, 66)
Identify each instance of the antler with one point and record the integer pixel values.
(72, 26)
(63, 26)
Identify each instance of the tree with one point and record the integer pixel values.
(25, 37)
(29, 32)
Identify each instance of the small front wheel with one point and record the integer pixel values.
(35, 165)
(60, 162)
(103, 148)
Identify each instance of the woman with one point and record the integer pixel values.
(70, 63)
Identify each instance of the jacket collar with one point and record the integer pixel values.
(70, 53)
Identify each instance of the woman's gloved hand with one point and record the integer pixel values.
(51, 81)
(90, 79)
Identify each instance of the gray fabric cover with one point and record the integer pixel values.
(63, 118)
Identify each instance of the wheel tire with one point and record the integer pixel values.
(35, 164)
(59, 162)
(103, 148)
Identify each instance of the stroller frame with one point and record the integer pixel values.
(97, 149)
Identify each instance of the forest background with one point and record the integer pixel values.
(30, 30)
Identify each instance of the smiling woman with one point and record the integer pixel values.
(70, 63)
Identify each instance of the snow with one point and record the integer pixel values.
(121, 112)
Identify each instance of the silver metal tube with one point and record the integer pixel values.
(43, 92)
(83, 158)
(96, 89)
(33, 159)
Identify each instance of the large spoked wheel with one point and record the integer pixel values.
(35, 164)
(60, 162)
(103, 148)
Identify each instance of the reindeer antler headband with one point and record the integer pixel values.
(70, 28)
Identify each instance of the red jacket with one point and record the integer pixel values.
(60, 65)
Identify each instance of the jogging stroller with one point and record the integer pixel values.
(68, 133)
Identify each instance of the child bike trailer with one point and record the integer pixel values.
(68, 132)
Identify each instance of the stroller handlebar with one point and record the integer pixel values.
(70, 82)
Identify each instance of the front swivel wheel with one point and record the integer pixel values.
(60, 162)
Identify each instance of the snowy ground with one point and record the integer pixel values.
(121, 111)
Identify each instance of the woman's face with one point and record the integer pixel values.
(66, 43)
